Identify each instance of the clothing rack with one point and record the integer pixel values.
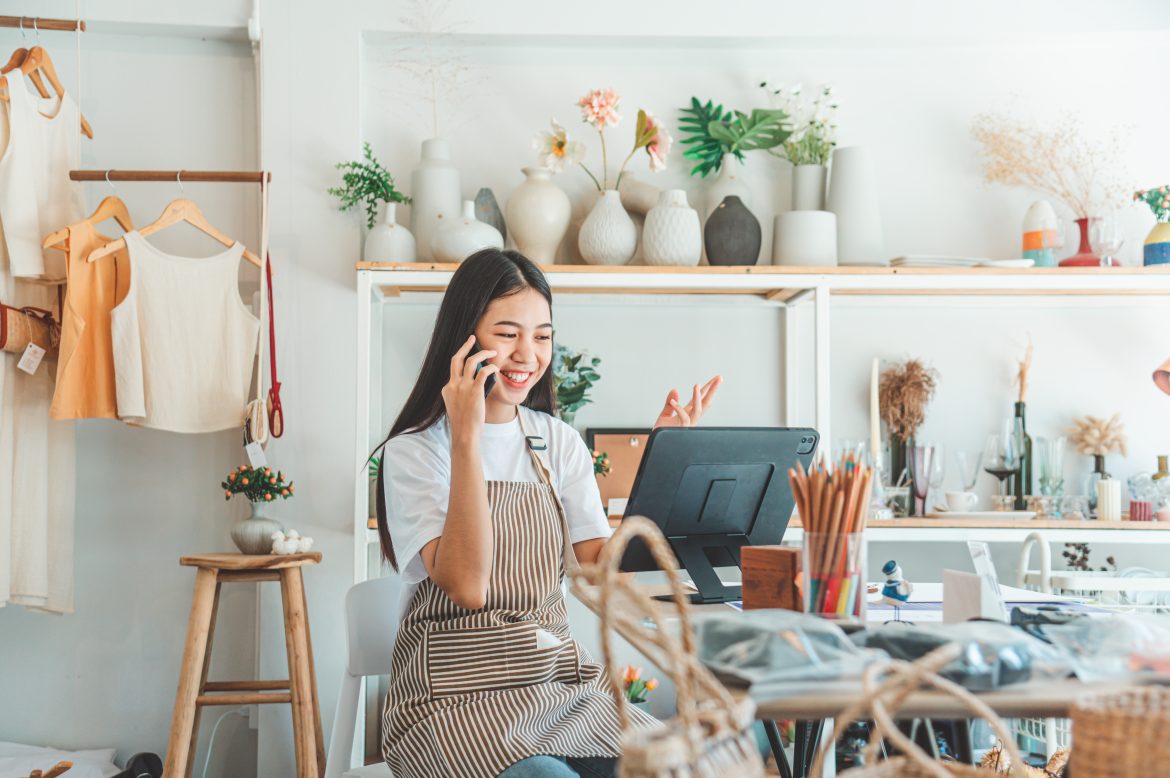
(36, 23)
(179, 176)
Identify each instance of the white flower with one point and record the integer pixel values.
(554, 149)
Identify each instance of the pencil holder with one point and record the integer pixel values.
(832, 574)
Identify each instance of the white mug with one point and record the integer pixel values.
(961, 501)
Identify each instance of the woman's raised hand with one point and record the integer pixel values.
(463, 395)
(675, 415)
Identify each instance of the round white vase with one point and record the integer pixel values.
(608, 235)
(389, 241)
(805, 239)
(808, 187)
(538, 215)
(672, 235)
(436, 194)
(727, 183)
(464, 236)
(853, 197)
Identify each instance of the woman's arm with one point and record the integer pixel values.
(460, 560)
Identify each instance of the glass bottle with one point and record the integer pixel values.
(1022, 480)
(1163, 471)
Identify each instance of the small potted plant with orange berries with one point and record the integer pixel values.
(262, 486)
(636, 688)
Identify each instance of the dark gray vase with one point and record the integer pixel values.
(487, 210)
(732, 235)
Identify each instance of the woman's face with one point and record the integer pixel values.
(519, 329)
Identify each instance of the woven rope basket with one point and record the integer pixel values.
(1122, 734)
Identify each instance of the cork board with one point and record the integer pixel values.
(624, 447)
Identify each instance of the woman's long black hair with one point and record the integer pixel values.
(484, 276)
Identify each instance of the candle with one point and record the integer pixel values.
(875, 428)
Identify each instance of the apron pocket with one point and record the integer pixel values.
(507, 656)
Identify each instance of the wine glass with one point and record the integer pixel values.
(968, 462)
(921, 466)
(1000, 458)
(1106, 238)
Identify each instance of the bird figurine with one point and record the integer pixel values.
(897, 590)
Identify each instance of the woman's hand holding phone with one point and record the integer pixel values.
(464, 393)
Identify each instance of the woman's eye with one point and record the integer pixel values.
(544, 337)
(505, 335)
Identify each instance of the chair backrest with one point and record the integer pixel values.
(371, 625)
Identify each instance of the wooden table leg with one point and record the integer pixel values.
(293, 597)
(320, 735)
(194, 655)
(203, 677)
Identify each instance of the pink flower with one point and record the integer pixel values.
(599, 108)
(659, 145)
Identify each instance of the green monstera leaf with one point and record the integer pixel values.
(764, 128)
(699, 144)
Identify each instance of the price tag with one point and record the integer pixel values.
(31, 359)
(255, 454)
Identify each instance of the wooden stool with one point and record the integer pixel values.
(300, 691)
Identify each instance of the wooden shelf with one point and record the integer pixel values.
(916, 523)
(784, 284)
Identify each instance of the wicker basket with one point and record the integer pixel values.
(1122, 734)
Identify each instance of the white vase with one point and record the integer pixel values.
(638, 196)
(671, 235)
(853, 197)
(389, 241)
(253, 535)
(1041, 232)
(456, 241)
(805, 239)
(727, 183)
(608, 235)
(538, 215)
(808, 187)
(436, 193)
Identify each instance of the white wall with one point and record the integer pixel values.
(910, 75)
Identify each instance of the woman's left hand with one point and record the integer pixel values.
(675, 415)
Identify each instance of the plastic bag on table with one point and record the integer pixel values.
(770, 646)
(1114, 645)
(994, 654)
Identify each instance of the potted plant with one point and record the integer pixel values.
(808, 148)
(574, 373)
(368, 184)
(262, 487)
(635, 688)
(904, 391)
(1157, 248)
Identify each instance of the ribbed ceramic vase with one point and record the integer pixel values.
(608, 235)
(538, 215)
(808, 187)
(853, 196)
(727, 183)
(464, 236)
(253, 535)
(390, 241)
(435, 190)
(671, 235)
(732, 235)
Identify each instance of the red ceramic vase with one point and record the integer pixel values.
(1084, 256)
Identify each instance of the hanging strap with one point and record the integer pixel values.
(537, 449)
(255, 416)
(275, 410)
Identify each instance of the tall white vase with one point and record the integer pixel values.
(853, 197)
(671, 235)
(390, 241)
(728, 182)
(538, 215)
(608, 235)
(462, 237)
(808, 187)
(435, 189)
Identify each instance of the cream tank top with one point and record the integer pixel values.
(184, 342)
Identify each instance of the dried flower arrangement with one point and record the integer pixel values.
(904, 391)
(1158, 199)
(1097, 437)
(1022, 368)
(1077, 556)
(1060, 162)
(814, 125)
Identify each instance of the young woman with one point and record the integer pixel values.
(484, 498)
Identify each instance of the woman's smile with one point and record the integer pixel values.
(515, 379)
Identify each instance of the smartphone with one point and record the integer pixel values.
(491, 380)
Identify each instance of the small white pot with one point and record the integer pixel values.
(808, 187)
(608, 235)
(671, 235)
(389, 241)
(804, 239)
(467, 235)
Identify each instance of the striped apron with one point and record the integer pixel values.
(475, 691)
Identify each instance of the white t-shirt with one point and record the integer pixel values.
(417, 480)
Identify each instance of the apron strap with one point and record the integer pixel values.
(537, 447)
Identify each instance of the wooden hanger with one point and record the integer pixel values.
(39, 60)
(179, 211)
(109, 208)
(15, 61)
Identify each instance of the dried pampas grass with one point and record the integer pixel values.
(1098, 437)
(904, 391)
(1022, 368)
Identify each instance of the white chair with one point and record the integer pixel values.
(371, 624)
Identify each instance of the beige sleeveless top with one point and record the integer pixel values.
(184, 343)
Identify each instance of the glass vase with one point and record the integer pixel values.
(832, 574)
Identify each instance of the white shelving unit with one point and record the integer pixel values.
(381, 284)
